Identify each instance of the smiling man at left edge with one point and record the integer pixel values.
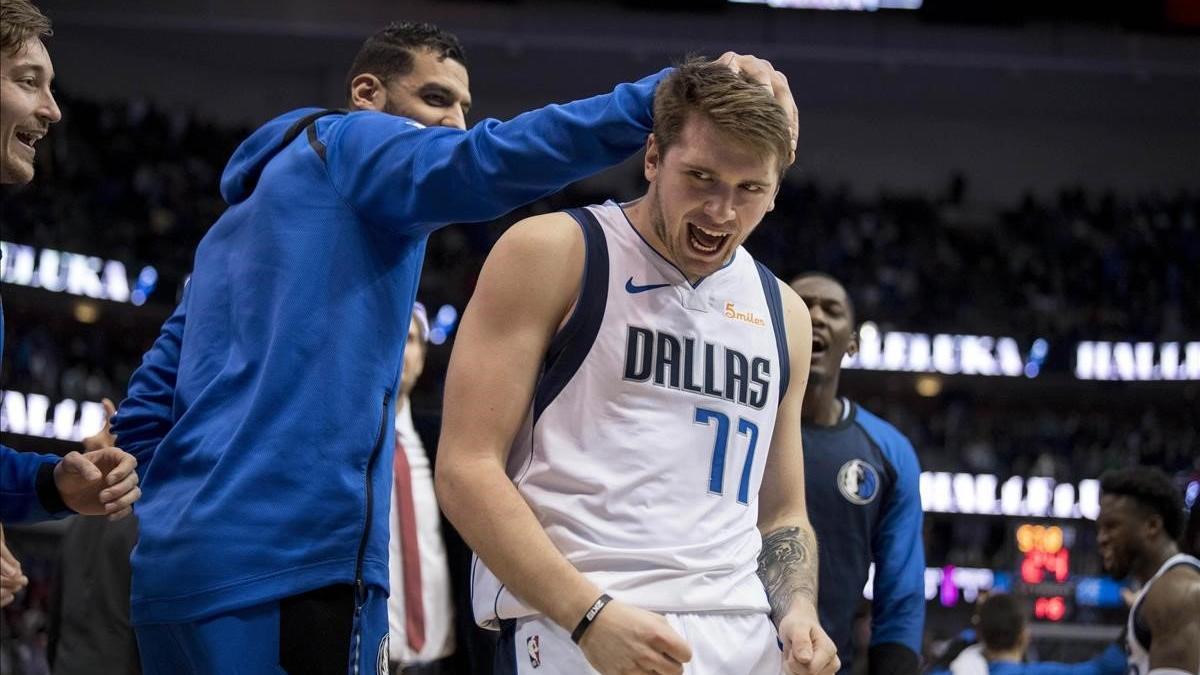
(36, 486)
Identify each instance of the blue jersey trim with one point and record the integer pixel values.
(505, 662)
(899, 458)
(775, 306)
(899, 604)
(570, 346)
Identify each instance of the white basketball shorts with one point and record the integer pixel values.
(722, 644)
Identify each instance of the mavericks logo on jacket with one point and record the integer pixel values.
(858, 482)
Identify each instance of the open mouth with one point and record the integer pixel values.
(26, 138)
(819, 346)
(705, 241)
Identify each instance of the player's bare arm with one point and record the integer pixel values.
(788, 561)
(525, 289)
(788, 556)
(1172, 610)
(525, 292)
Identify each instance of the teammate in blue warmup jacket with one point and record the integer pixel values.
(261, 415)
(861, 478)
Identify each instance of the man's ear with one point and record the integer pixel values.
(367, 93)
(852, 348)
(652, 163)
(1154, 525)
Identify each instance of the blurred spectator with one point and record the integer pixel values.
(1064, 439)
(1004, 634)
(1082, 267)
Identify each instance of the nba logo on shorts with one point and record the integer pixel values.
(534, 646)
(858, 482)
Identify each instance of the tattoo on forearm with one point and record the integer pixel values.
(787, 566)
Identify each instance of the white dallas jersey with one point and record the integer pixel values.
(1137, 634)
(643, 451)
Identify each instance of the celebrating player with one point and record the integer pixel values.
(621, 440)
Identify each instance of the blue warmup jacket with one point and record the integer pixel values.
(261, 416)
(27, 490)
(862, 483)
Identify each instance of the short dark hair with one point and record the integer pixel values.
(732, 102)
(1001, 620)
(814, 274)
(389, 53)
(1152, 489)
(20, 21)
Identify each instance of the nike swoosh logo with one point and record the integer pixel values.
(630, 287)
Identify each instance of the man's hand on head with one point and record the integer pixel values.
(761, 71)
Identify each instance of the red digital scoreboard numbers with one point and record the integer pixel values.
(1045, 562)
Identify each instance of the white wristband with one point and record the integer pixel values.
(1169, 671)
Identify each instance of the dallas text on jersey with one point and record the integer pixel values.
(670, 361)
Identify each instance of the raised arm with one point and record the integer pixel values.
(396, 173)
(898, 607)
(788, 561)
(525, 290)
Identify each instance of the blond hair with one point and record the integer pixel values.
(20, 21)
(734, 104)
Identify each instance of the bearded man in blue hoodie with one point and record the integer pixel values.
(260, 417)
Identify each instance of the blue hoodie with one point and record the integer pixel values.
(260, 416)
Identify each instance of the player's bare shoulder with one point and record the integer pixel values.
(798, 324)
(539, 259)
(794, 308)
(1173, 601)
(1176, 591)
(1171, 611)
(547, 236)
(546, 229)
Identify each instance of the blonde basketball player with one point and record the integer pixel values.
(621, 439)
